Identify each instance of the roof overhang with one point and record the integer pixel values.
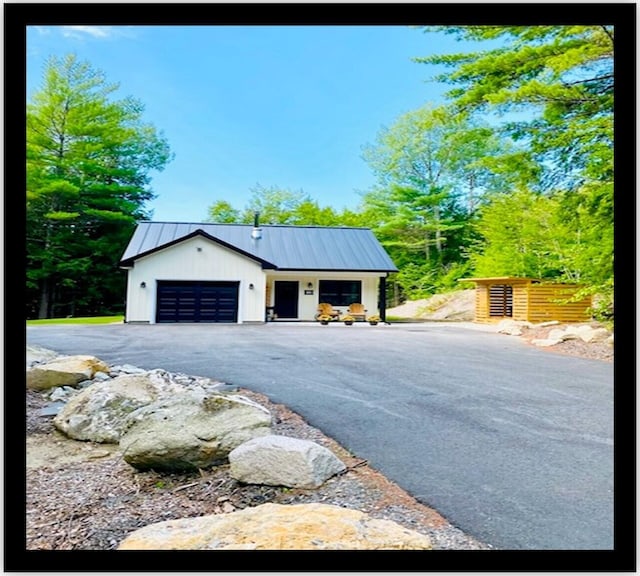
(350, 270)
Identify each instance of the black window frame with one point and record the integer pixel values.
(340, 292)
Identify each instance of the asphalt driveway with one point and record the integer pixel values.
(512, 444)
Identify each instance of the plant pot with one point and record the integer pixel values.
(348, 323)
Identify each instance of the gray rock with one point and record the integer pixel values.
(61, 394)
(587, 333)
(191, 431)
(544, 342)
(37, 355)
(51, 409)
(512, 327)
(98, 413)
(126, 369)
(283, 461)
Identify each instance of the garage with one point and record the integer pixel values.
(243, 274)
(188, 301)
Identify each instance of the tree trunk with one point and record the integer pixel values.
(427, 247)
(436, 216)
(45, 299)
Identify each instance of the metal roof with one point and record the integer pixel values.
(281, 247)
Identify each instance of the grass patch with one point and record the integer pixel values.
(91, 320)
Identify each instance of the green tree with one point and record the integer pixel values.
(552, 237)
(559, 81)
(89, 159)
(434, 168)
(281, 206)
(222, 212)
(527, 245)
(560, 77)
(275, 205)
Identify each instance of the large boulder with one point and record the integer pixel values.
(283, 461)
(588, 333)
(278, 527)
(37, 355)
(512, 327)
(99, 412)
(188, 431)
(64, 371)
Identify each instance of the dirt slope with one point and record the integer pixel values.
(457, 305)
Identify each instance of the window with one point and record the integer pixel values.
(340, 292)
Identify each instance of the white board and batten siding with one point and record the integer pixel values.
(308, 303)
(195, 259)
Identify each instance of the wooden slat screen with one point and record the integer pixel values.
(501, 300)
(549, 302)
(482, 303)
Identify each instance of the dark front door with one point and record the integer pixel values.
(197, 302)
(286, 299)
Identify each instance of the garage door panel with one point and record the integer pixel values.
(197, 302)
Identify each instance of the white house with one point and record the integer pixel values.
(196, 272)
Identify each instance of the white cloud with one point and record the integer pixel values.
(98, 32)
(83, 31)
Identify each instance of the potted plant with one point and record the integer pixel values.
(324, 319)
(373, 320)
(348, 319)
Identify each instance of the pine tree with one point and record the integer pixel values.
(89, 159)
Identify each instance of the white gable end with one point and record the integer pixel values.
(196, 259)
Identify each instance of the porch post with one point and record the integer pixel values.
(382, 298)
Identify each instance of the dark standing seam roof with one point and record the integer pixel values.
(285, 247)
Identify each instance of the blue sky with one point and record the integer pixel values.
(241, 106)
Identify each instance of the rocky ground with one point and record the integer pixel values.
(593, 350)
(458, 306)
(83, 496)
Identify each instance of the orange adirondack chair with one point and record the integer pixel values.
(358, 311)
(326, 308)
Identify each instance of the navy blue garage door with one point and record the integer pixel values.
(197, 302)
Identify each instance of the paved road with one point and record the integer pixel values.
(512, 444)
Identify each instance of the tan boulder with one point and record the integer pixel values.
(64, 371)
(278, 527)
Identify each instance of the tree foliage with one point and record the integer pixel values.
(561, 77)
(529, 245)
(559, 82)
(89, 160)
(435, 167)
(277, 205)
